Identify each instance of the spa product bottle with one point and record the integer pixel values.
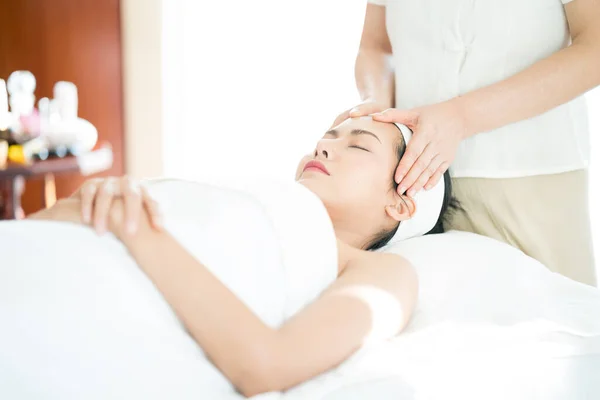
(21, 87)
(67, 132)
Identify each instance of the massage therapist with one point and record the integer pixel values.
(492, 89)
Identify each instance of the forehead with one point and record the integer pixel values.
(385, 131)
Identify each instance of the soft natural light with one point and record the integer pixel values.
(248, 92)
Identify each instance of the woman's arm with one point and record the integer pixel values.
(546, 84)
(373, 71)
(373, 298)
(65, 210)
(439, 128)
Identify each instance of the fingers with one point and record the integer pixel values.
(107, 190)
(435, 178)
(361, 110)
(133, 204)
(407, 117)
(413, 152)
(87, 194)
(427, 173)
(151, 207)
(422, 162)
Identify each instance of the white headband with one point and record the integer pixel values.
(428, 205)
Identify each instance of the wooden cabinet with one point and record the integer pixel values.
(71, 40)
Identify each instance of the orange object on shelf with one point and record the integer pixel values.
(13, 176)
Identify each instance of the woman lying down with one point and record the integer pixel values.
(276, 283)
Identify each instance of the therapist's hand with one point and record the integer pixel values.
(437, 131)
(97, 198)
(363, 109)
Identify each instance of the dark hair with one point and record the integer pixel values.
(449, 204)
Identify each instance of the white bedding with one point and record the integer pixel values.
(81, 321)
(491, 323)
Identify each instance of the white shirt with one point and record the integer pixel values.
(446, 48)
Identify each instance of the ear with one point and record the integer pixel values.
(403, 209)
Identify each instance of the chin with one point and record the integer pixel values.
(317, 186)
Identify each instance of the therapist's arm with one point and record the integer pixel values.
(373, 71)
(439, 128)
(546, 84)
(371, 299)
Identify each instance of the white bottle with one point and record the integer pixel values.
(44, 110)
(21, 87)
(65, 96)
(65, 128)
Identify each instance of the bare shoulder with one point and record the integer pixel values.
(384, 269)
(379, 261)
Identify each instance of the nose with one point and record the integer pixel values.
(323, 150)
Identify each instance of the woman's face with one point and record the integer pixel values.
(351, 170)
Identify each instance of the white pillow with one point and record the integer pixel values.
(473, 280)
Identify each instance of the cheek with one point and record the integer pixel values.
(366, 182)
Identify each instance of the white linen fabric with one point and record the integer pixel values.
(78, 318)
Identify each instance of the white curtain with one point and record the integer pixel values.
(249, 86)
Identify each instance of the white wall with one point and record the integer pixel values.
(141, 22)
(250, 85)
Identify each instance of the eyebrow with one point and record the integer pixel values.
(354, 132)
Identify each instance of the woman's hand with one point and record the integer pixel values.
(437, 131)
(363, 109)
(65, 210)
(97, 196)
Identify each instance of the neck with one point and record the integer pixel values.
(349, 237)
(347, 230)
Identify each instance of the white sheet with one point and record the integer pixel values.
(491, 323)
(81, 321)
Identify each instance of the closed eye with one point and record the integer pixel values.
(358, 147)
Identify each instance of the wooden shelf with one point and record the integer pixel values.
(13, 177)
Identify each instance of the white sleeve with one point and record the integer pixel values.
(382, 2)
(563, 1)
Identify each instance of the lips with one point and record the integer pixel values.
(316, 166)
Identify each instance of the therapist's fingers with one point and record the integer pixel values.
(106, 193)
(426, 175)
(422, 157)
(133, 204)
(361, 110)
(409, 118)
(435, 178)
(412, 153)
(153, 210)
(87, 195)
